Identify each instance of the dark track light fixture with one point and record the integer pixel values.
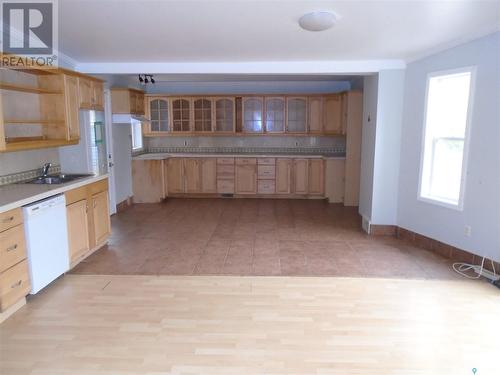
(146, 78)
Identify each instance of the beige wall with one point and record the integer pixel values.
(13, 162)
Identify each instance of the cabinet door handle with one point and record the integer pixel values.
(12, 248)
(8, 219)
(94, 204)
(15, 285)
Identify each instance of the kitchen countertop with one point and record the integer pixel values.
(162, 156)
(17, 195)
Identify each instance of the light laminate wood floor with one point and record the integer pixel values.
(99, 324)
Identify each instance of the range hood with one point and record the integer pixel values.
(128, 118)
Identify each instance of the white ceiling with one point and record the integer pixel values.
(147, 31)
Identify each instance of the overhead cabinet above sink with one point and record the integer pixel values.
(39, 107)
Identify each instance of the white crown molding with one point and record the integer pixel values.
(258, 67)
(454, 43)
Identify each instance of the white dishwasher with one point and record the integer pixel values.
(47, 240)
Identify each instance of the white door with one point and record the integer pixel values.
(109, 145)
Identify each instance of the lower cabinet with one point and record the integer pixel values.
(147, 181)
(300, 176)
(175, 176)
(284, 176)
(208, 175)
(100, 215)
(192, 176)
(87, 212)
(245, 176)
(316, 178)
(14, 275)
(78, 229)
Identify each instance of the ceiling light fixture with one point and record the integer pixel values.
(317, 21)
(146, 78)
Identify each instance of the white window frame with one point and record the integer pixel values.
(135, 149)
(465, 157)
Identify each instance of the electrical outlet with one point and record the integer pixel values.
(468, 231)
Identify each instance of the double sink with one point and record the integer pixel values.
(56, 179)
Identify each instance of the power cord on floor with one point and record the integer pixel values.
(462, 268)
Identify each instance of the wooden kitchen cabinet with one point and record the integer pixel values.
(175, 176)
(97, 95)
(253, 111)
(275, 114)
(91, 93)
(14, 285)
(90, 202)
(300, 176)
(181, 114)
(332, 114)
(315, 114)
(245, 176)
(14, 276)
(127, 101)
(78, 229)
(283, 176)
(209, 175)
(85, 93)
(192, 176)
(158, 113)
(100, 212)
(202, 108)
(71, 94)
(148, 182)
(296, 114)
(225, 118)
(316, 177)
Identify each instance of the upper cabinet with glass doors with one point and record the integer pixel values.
(275, 114)
(296, 114)
(202, 114)
(314, 114)
(158, 113)
(224, 115)
(181, 114)
(253, 111)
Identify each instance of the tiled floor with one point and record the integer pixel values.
(255, 237)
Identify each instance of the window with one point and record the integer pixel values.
(136, 135)
(445, 141)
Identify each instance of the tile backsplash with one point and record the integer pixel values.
(261, 142)
(26, 175)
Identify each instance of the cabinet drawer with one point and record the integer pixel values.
(10, 219)
(98, 187)
(14, 285)
(266, 161)
(75, 195)
(266, 171)
(225, 172)
(225, 161)
(12, 247)
(246, 161)
(225, 186)
(266, 187)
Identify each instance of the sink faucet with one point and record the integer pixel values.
(45, 169)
